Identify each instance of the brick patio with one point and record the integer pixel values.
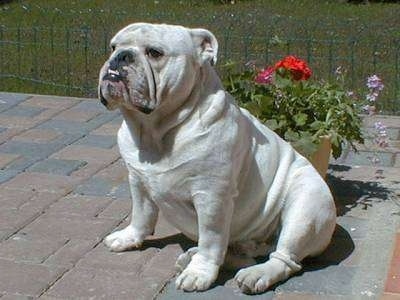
(63, 188)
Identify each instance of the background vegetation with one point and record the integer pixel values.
(58, 46)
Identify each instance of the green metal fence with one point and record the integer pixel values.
(65, 59)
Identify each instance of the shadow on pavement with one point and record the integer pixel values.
(339, 249)
(160, 243)
(349, 194)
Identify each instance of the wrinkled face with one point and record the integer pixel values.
(151, 64)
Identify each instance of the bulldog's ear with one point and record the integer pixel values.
(206, 45)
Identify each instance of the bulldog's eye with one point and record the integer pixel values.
(154, 53)
(112, 48)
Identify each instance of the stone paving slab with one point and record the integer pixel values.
(30, 248)
(129, 262)
(63, 188)
(8, 100)
(101, 284)
(57, 166)
(77, 227)
(27, 279)
(70, 253)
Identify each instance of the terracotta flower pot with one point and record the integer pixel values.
(320, 159)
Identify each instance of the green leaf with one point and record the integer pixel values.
(316, 125)
(291, 136)
(272, 124)
(300, 119)
(328, 116)
(253, 108)
(282, 82)
(306, 144)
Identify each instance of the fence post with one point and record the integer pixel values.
(397, 76)
(309, 50)
(86, 50)
(267, 44)
(374, 57)
(53, 71)
(246, 39)
(34, 54)
(288, 40)
(1, 49)
(226, 39)
(330, 59)
(105, 39)
(352, 61)
(19, 51)
(68, 59)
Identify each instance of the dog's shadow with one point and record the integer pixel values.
(178, 238)
(347, 194)
(340, 248)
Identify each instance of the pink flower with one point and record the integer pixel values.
(375, 86)
(371, 97)
(370, 109)
(375, 83)
(351, 94)
(265, 76)
(339, 71)
(381, 138)
(380, 127)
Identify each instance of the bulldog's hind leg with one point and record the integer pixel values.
(307, 224)
(143, 220)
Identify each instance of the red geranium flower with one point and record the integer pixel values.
(265, 76)
(298, 68)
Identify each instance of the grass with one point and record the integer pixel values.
(58, 46)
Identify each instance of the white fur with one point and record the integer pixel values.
(216, 172)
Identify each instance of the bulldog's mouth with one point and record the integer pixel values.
(116, 84)
(113, 75)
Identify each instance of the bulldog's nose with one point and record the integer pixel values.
(122, 58)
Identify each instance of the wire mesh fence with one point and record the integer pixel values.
(65, 58)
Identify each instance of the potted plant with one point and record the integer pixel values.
(316, 117)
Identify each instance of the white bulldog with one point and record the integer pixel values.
(216, 173)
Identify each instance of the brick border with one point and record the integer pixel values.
(392, 286)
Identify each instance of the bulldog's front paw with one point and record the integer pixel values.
(198, 275)
(124, 239)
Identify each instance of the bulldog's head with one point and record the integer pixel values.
(154, 64)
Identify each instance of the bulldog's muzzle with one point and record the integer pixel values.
(117, 85)
(115, 71)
